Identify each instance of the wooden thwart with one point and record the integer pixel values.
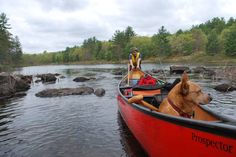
(139, 100)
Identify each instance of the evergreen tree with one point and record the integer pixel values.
(16, 50)
(161, 42)
(213, 45)
(5, 42)
(230, 41)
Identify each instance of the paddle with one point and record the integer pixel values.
(139, 100)
(128, 75)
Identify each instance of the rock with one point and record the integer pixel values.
(157, 71)
(117, 73)
(62, 77)
(65, 92)
(37, 81)
(225, 88)
(100, 92)
(81, 79)
(21, 85)
(27, 78)
(209, 72)
(56, 74)
(48, 78)
(10, 84)
(199, 69)
(177, 69)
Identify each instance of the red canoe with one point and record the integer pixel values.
(163, 135)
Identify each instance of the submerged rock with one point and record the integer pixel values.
(65, 92)
(81, 79)
(100, 92)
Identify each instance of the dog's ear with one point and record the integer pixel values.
(184, 84)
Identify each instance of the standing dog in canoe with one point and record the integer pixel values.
(183, 98)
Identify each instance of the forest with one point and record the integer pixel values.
(214, 37)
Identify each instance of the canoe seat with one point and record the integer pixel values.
(156, 99)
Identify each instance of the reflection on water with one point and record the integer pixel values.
(130, 145)
(80, 125)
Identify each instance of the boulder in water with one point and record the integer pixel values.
(100, 92)
(65, 92)
(225, 87)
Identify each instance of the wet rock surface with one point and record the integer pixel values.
(65, 92)
(48, 77)
(83, 79)
(11, 84)
(177, 69)
(225, 87)
(100, 92)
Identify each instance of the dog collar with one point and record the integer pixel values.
(181, 113)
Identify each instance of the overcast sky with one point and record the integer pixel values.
(52, 25)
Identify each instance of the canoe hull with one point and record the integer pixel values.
(162, 138)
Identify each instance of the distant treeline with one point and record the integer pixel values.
(214, 37)
(10, 46)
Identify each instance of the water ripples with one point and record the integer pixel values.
(78, 125)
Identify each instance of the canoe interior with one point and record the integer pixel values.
(155, 95)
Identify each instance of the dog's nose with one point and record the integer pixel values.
(210, 97)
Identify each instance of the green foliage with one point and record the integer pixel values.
(144, 45)
(182, 44)
(200, 40)
(230, 41)
(161, 42)
(10, 47)
(120, 41)
(213, 46)
(216, 23)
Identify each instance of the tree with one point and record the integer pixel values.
(161, 42)
(182, 44)
(120, 42)
(16, 50)
(129, 34)
(213, 46)
(5, 42)
(200, 40)
(230, 41)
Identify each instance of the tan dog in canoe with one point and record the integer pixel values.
(183, 98)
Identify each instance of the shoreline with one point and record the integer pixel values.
(196, 59)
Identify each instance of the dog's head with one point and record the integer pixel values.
(192, 92)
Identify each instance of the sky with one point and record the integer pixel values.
(53, 25)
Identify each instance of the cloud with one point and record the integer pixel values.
(53, 25)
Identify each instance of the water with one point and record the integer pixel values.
(79, 125)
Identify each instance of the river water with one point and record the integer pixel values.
(84, 126)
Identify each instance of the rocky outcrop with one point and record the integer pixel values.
(177, 69)
(206, 72)
(225, 87)
(65, 92)
(47, 77)
(11, 84)
(100, 92)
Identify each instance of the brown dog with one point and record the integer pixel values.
(183, 98)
